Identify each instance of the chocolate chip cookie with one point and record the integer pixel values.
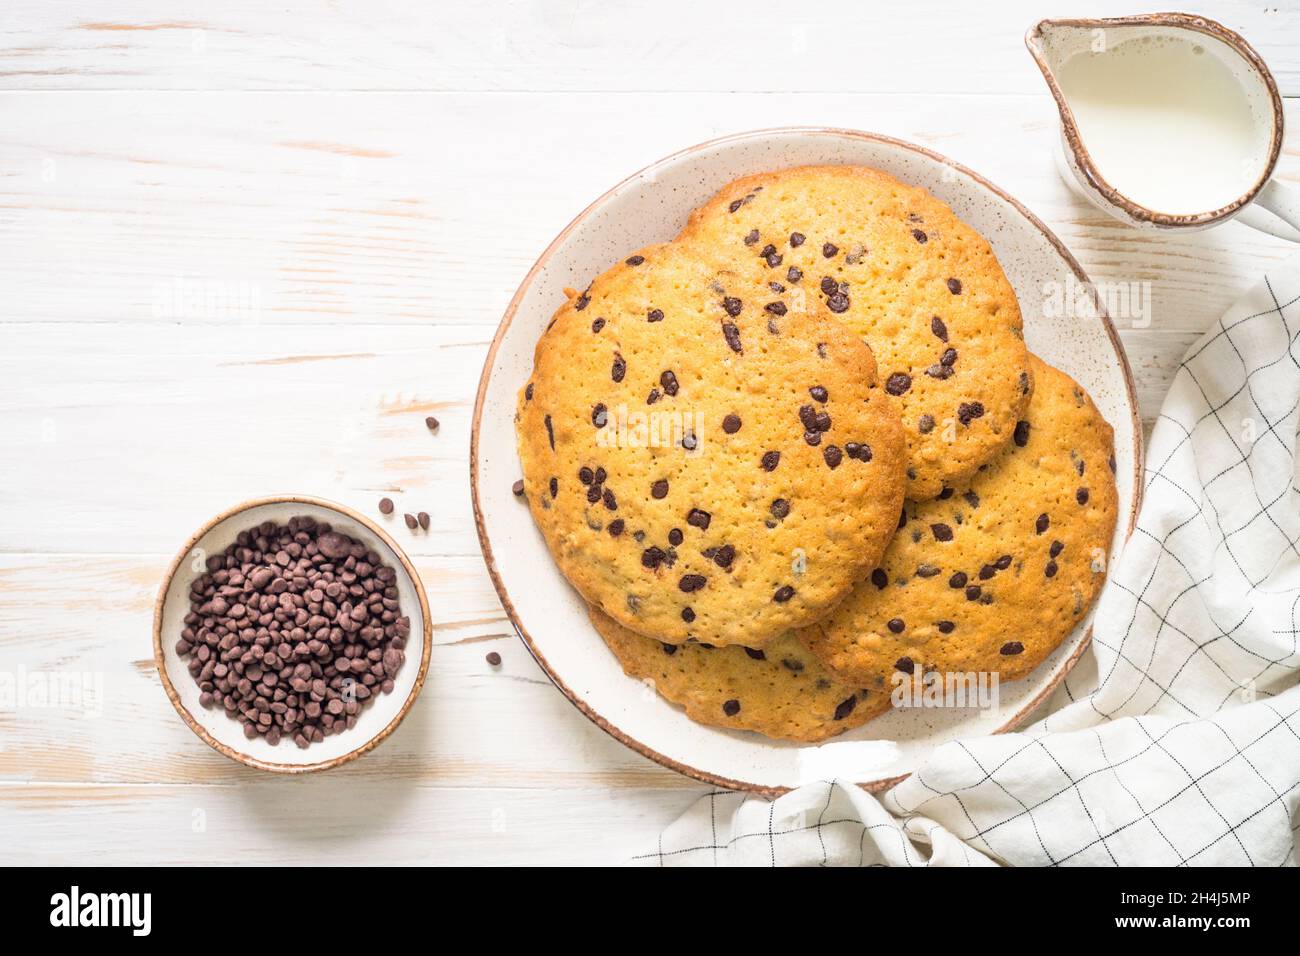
(992, 576)
(781, 691)
(704, 461)
(897, 267)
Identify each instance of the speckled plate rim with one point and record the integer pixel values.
(480, 397)
(174, 696)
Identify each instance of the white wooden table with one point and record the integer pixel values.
(248, 247)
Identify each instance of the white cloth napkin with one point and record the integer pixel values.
(1177, 739)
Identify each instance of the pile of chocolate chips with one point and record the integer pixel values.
(293, 629)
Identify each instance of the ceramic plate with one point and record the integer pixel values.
(652, 206)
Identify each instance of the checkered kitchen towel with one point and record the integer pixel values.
(1177, 741)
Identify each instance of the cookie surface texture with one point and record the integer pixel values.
(782, 691)
(896, 266)
(703, 461)
(992, 577)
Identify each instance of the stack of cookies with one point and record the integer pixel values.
(802, 449)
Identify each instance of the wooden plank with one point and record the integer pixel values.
(561, 45)
(318, 820)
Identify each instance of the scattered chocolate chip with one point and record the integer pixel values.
(597, 325)
(607, 496)
(659, 489)
(494, 658)
(845, 707)
(949, 358)
(954, 286)
(770, 460)
(615, 527)
(896, 625)
(1051, 569)
(790, 664)
(731, 423)
(412, 523)
(958, 580)
(945, 627)
(732, 335)
(898, 383)
(829, 286)
(423, 518)
(920, 236)
(1021, 434)
(386, 506)
(945, 493)
(813, 438)
(1055, 550)
(752, 237)
(822, 422)
(797, 239)
(780, 508)
(783, 594)
(555, 486)
(941, 532)
(600, 415)
(431, 423)
(926, 571)
(593, 493)
(618, 369)
(905, 665)
(793, 274)
(1081, 496)
(732, 305)
(776, 308)
(829, 250)
(838, 303)
(688, 615)
(655, 315)
(724, 555)
(670, 649)
(973, 592)
(731, 708)
(583, 301)
(1111, 462)
(972, 499)
(859, 451)
(1011, 648)
(819, 393)
(652, 557)
(699, 519)
(634, 260)
(675, 537)
(518, 488)
(941, 372)
(925, 424)
(832, 455)
(1041, 524)
(653, 397)
(987, 571)
(880, 579)
(939, 329)
(692, 582)
(690, 442)
(967, 412)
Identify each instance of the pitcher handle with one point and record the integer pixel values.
(1276, 211)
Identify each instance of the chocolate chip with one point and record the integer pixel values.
(518, 488)
(945, 494)
(770, 460)
(600, 475)
(1021, 434)
(958, 580)
(675, 537)
(689, 441)
(822, 422)
(780, 508)
(386, 506)
(699, 519)
(550, 431)
(1051, 569)
(829, 286)
(593, 493)
(939, 329)
(653, 397)
(969, 411)
(1055, 550)
(925, 424)
(423, 518)
(954, 286)
(732, 335)
(585, 475)
(845, 707)
(832, 455)
(1081, 496)
(1011, 648)
(615, 527)
(838, 303)
(973, 592)
(1111, 462)
(431, 423)
(597, 325)
(860, 451)
(1041, 524)
(736, 204)
(790, 664)
(669, 382)
(829, 250)
(945, 627)
(692, 582)
(755, 654)
(898, 383)
(797, 239)
(688, 615)
(926, 570)
(793, 274)
(773, 259)
(659, 489)
(634, 260)
(987, 571)
(555, 489)
(919, 236)
(731, 708)
(813, 438)
(652, 557)
(655, 315)
(941, 372)
(724, 555)
(783, 594)
(972, 499)
(905, 665)
(752, 237)
(600, 415)
(669, 649)
(819, 393)
(880, 579)
(731, 423)
(896, 625)
(583, 301)
(949, 358)
(494, 658)
(732, 306)
(776, 308)
(941, 532)
(412, 523)
(607, 496)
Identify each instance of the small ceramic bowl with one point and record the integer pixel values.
(226, 735)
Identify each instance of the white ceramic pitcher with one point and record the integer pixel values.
(1168, 121)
